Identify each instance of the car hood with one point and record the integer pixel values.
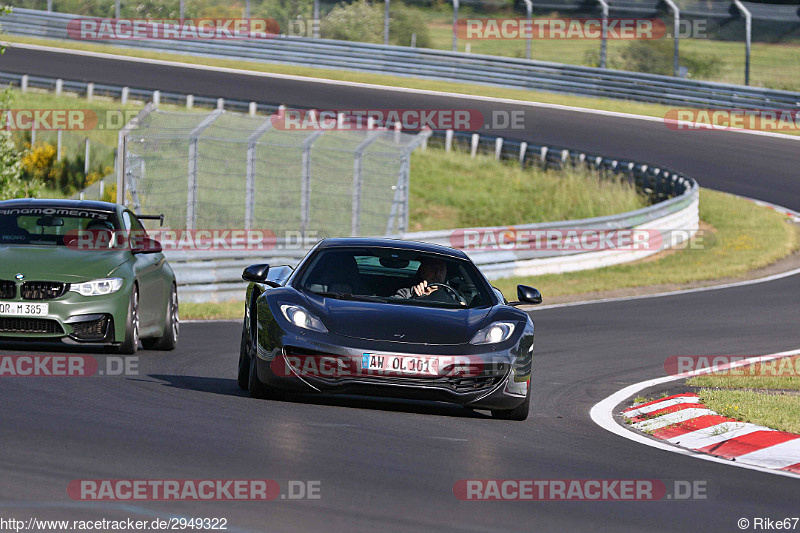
(397, 322)
(58, 263)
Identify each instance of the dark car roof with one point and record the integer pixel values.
(347, 242)
(65, 204)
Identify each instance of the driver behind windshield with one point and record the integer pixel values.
(431, 270)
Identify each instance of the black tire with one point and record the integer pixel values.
(131, 342)
(243, 377)
(518, 413)
(169, 340)
(256, 387)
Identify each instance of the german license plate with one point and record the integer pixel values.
(23, 309)
(390, 364)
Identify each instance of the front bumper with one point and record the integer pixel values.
(73, 317)
(483, 379)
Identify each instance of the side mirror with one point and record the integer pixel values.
(528, 295)
(145, 245)
(256, 273)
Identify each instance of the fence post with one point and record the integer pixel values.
(748, 23)
(386, 22)
(315, 22)
(676, 12)
(123, 97)
(250, 180)
(498, 147)
(220, 103)
(358, 161)
(529, 10)
(59, 86)
(191, 182)
(49, 6)
(156, 98)
(251, 108)
(89, 91)
(473, 145)
(455, 25)
(116, 9)
(604, 40)
(305, 181)
(33, 136)
(523, 147)
(189, 101)
(23, 83)
(448, 140)
(86, 156)
(58, 145)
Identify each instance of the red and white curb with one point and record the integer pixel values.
(682, 420)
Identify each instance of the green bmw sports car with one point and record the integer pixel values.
(84, 272)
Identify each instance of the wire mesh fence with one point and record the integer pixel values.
(226, 170)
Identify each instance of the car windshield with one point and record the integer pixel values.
(391, 275)
(57, 226)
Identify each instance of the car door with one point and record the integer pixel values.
(152, 286)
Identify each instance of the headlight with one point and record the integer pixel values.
(494, 333)
(97, 287)
(301, 318)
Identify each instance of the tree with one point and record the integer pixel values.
(11, 183)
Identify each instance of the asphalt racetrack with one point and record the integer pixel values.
(391, 465)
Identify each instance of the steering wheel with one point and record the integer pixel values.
(450, 290)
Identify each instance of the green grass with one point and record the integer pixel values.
(211, 311)
(745, 237)
(450, 190)
(776, 411)
(783, 373)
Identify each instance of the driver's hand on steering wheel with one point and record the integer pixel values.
(422, 289)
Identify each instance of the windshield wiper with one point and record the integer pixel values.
(348, 296)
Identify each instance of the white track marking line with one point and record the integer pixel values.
(715, 434)
(388, 88)
(660, 405)
(775, 456)
(602, 413)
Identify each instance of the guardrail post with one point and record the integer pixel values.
(498, 147)
(89, 91)
(23, 83)
(189, 101)
(251, 108)
(448, 140)
(473, 145)
(523, 147)
(220, 103)
(123, 97)
(604, 40)
(59, 86)
(156, 98)
(455, 25)
(543, 155)
(748, 24)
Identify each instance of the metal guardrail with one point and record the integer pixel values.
(215, 275)
(442, 65)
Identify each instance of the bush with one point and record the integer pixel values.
(362, 21)
(656, 57)
(13, 183)
(40, 165)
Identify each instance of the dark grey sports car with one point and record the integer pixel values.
(384, 317)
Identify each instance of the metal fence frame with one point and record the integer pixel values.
(445, 66)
